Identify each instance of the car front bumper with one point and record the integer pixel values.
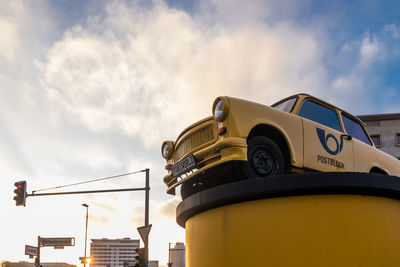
(224, 150)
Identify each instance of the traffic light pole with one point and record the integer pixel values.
(146, 216)
(37, 261)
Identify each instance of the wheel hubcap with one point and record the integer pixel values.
(263, 162)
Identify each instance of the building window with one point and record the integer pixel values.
(398, 139)
(377, 140)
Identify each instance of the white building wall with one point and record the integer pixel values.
(112, 252)
(178, 255)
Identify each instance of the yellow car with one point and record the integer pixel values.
(243, 140)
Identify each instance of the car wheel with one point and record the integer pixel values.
(264, 158)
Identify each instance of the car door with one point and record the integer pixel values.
(326, 148)
(364, 152)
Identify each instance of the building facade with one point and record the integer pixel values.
(177, 255)
(113, 252)
(384, 130)
(31, 264)
(153, 264)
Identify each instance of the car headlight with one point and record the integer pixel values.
(220, 108)
(166, 149)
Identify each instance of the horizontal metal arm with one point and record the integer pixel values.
(87, 192)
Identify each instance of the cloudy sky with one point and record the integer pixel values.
(90, 89)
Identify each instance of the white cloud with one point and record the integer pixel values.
(8, 39)
(347, 83)
(150, 72)
(134, 75)
(105, 206)
(231, 14)
(137, 164)
(167, 210)
(358, 78)
(394, 30)
(25, 29)
(100, 220)
(13, 18)
(370, 50)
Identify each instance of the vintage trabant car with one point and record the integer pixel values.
(243, 140)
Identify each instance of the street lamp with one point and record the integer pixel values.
(87, 215)
(169, 255)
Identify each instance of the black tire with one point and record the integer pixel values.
(264, 158)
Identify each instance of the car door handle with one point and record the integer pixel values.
(346, 136)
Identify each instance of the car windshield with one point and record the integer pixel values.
(286, 105)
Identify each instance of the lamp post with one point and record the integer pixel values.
(87, 215)
(169, 255)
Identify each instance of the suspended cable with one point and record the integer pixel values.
(90, 181)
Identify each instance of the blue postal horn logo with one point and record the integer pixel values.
(324, 140)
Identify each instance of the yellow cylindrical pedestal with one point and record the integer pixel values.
(302, 230)
(325, 230)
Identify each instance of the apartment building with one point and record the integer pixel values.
(113, 252)
(384, 130)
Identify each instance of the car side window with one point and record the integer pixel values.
(354, 129)
(286, 105)
(320, 114)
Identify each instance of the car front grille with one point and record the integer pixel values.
(193, 140)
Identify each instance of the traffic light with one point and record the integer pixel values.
(140, 259)
(20, 193)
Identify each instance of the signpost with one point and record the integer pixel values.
(31, 251)
(144, 232)
(57, 242)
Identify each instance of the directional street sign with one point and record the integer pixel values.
(144, 232)
(57, 242)
(31, 250)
